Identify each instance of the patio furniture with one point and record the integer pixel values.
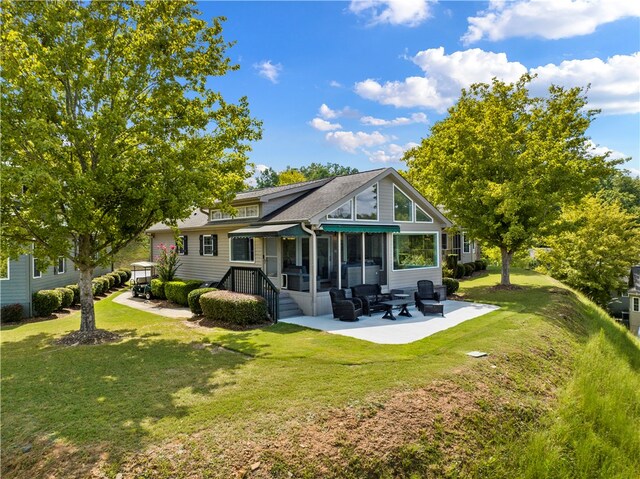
(425, 292)
(371, 296)
(401, 303)
(431, 308)
(297, 278)
(345, 309)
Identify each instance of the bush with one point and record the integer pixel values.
(123, 276)
(76, 293)
(11, 313)
(235, 308)
(178, 291)
(106, 284)
(67, 297)
(110, 279)
(126, 271)
(157, 288)
(46, 301)
(452, 261)
(459, 271)
(194, 299)
(96, 287)
(116, 278)
(469, 268)
(452, 285)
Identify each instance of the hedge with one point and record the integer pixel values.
(452, 261)
(76, 293)
(194, 299)
(126, 271)
(459, 271)
(451, 284)
(235, 308)
(110, 279)
(11, 313)
(178, 291)
(157, 288)
(123, 276)
(116, 278)
(46, 301)
(67, 297)
(469, 268)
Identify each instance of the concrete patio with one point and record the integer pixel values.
(402, 331)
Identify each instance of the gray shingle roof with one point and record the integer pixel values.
(195, 220)
(258, 193)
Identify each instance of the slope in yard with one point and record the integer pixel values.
(558, 396)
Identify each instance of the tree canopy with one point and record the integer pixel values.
(314, 171)
(503, 162)
(110, 124)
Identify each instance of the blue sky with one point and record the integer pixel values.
(357, 83)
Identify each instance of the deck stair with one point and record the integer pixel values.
(288, 306)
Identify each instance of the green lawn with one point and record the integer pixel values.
(171, 399)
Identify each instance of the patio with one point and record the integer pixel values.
(402, 331)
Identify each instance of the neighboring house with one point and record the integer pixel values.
(634, 300)
(20, 278)
(460, 244)
(369, 227)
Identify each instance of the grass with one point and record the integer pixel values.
(559, 393)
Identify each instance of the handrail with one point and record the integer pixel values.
(247, 280)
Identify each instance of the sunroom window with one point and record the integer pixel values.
(342, 213)
(242, 249)
(411, 251)
(402, 206)
(367, 204)
(422, 216)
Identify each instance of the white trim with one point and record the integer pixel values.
(242, 261)
(64, 263)
(416, 233)
(355, 204)
(33, 269)
(203, 246)
(8, 271)
(635, 301)
(393, 205)
(241, 213)
(468, 241)
(351, 208)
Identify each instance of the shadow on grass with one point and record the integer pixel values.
(112, 394)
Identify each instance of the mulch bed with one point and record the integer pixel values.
(99, 336)
(210, 323)
(506, 287)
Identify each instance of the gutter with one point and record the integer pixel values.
(313, 264)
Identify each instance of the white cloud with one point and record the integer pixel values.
(615, 83)
(390, 153)
(601, 150)
(410, 13)
(268, 70)
(328, 114)
(260, 168)
(324, 125)
(350, 142)
(400, 121)
(547, 19)
(335, 84)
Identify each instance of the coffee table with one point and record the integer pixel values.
(431, 308)
(401, 303)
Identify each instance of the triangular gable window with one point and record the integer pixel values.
(422, 216)
(342, 213)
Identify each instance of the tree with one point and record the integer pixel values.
(267, 178)
(289, 176)
(595, 244)
(316, 171)
(620, 186)
(503, 163)
(109, 126)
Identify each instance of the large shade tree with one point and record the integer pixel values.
(110, 124)
(504, 162)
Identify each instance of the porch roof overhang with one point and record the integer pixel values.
(333, 228)
(269, 231)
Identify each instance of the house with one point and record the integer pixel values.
(20, 278)
(368, 227)
(634, 300)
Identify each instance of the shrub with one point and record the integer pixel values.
(478, 264)
(194, 299)
(235, 308)
(459, 271)
(167, 262)
(110, 279)
(67, 297)
(157, 288)
(126, 271)
(178, 291)
(123, 276)
(452, 285)
(452, 261)
(46, 301)
(469, 268)
(76, 293)
(11, 313)
(116, 278)
(96, 287)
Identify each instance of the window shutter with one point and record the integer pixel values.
(214, 243)
(185, 245)
(201, 245)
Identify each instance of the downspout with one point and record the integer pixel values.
(29, 276)
(313, 264)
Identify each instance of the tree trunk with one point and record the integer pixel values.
(87, 313)
(506, 263)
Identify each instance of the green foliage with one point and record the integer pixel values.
(116, 278)
(503, 163)
(460, 271)
(157, 288)
(11, 313)
(290, 176)
(107, 283)
(167, 262)
(66, 297)
(76, 293)
(234, 308)
(109, 125)
(126, 271)
(315, 171)
(622, 188)
(178, 291)
(452, 261)
(46, 301)
(194, 299)
(480, 264)
(267, 178)
(137, 250)
(469, 268)
(452, 285)
(593, 247)
(123, 276)
(96, 287)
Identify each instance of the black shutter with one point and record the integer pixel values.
(201, 245)
(214, 241)
(185, 245)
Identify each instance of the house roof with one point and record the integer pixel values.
(262, 194)
(634, 279)
(197, 219)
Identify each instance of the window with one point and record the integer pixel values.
(466, 244)
(61, 266)
(402, 206)
(342, 213)
(242, 249)
(636, 304)
(412, 251)
(444, 240)
(367, 204)
(208, 245)
(36, 272)
(251, 211)
(183, 245)
(422, 216)
(4, 269)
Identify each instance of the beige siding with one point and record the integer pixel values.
(195, 266)
(634, 316)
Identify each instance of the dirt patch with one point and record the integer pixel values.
(506, 287)
(99, 336)
(209, 323)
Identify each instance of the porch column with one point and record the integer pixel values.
(364, 262)
(339, 260)
(313, 275)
